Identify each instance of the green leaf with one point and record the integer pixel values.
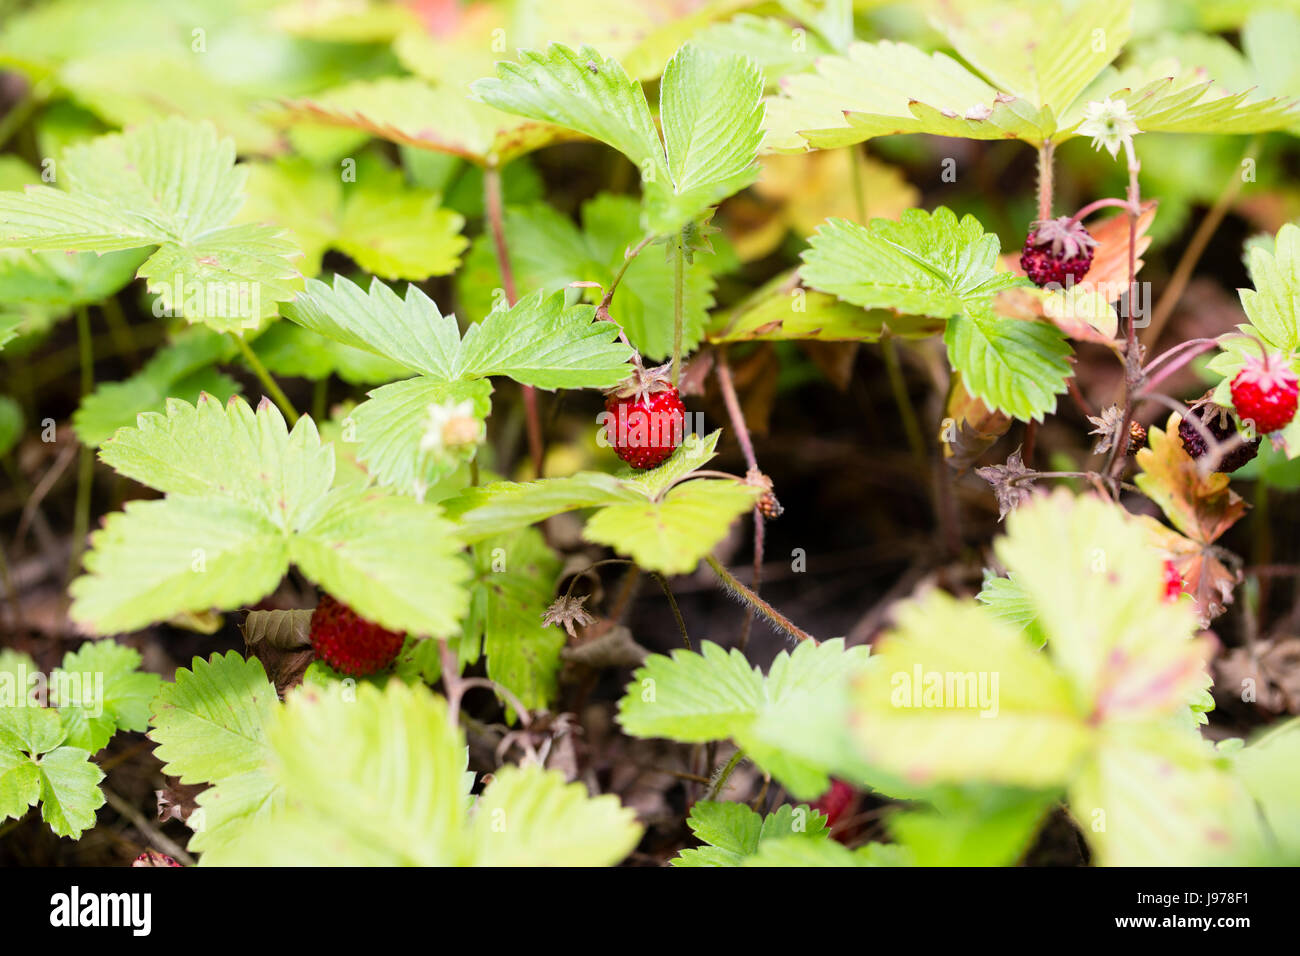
(952, 695)
(585, 92)
(532, 817)
(180, 369)
(671, 535)
(1034, 51)
(357, 793)
(393, 424)
(386, 227)
(410, 331)
(63, 281)
(125, 89)
(784, 309)
(877, 89)
(99, 690)
(155, 559)
(244, 497)
(1189, 103)
(1012, 365)
(391, 559)
(691, 455)
(441, 118)
(211, 723)
(542, 342)
(231, 807)
(923, 264)
(548, 252)
(1089, 572)
(808, 853)
(1272, 305)
(710, 105)
(1269, 769)
(170, 184)
(663, 529)
(11, 424)
(70, 792)
(539, 341)
(291, 350)
(981, 826)
(734, 832)
(506, 505)
(35, 765)
(712, 113)
(227, 450)
(20, 783)
(1007, 601)
(514, 583)
(1157, 796)
(765, 40)
(715, 695)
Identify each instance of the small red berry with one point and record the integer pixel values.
(348, 642)
(1173, 582)
(1264, 392)
(645, 418)
(1057, 251)
(835, 801)
(153, 858)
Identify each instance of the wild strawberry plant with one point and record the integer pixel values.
(303, 229)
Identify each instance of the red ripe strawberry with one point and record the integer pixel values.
(645, 418)
(1173, 582)
(153, 858)
(348, 642)
(1264, 392)
(835, 801)
(1057, 251)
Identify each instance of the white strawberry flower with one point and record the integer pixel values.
(1109, 123)
(450, 425)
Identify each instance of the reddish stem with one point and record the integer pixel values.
(496, 223)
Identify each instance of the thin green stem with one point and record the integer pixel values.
(272, 388)
(672, 602)
(859, 190)
(120, 330)
(897, 385)
(86, 457)
(747, 597)
(320, 393)
(21, 112)
(725, 774)
(679, 283)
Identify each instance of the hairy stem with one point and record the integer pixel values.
(1093, 206)
(759, 535)
(743, 594)
(272, 387)
(672, 602)
(1045, 181)
(1132, 356)
(725, 774)
(495, 212)
(728, 388)
(679, 284)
